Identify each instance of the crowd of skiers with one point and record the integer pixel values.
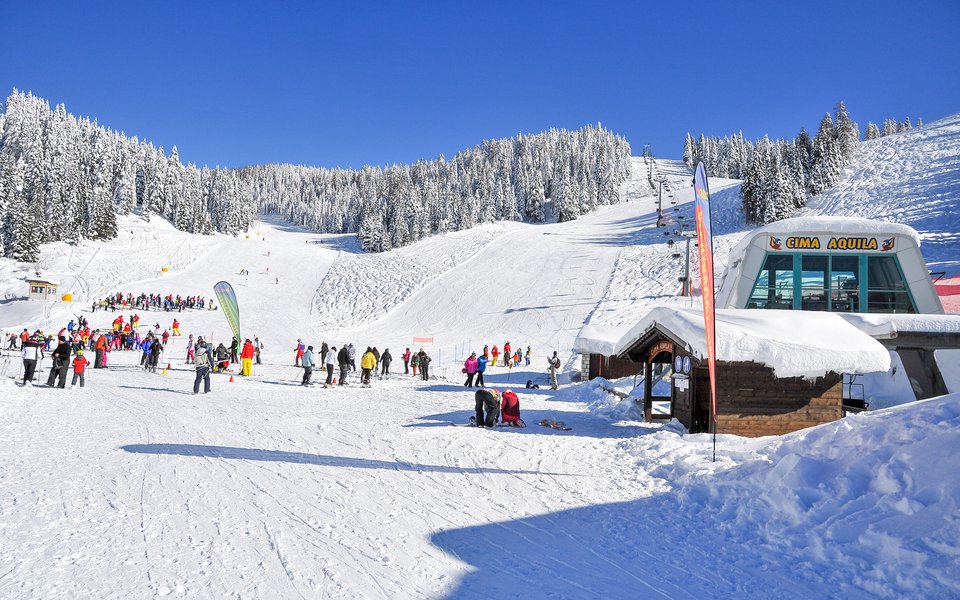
(475, 366)
(510, 357)
(77, 337)
(168, 303)
(32, 353)
(345, 360)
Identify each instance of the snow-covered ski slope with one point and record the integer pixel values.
(911, 178)
(134, 488)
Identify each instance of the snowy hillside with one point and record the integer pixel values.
(911, 178)
(132, 487)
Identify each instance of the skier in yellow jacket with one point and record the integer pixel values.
(367, 364)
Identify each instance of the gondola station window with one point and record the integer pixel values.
(830, 264)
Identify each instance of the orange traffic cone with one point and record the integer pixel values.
(168, 366)
(231, 379)
(334, 380)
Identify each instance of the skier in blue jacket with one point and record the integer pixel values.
(481, 367)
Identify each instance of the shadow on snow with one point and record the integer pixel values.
(303, 458)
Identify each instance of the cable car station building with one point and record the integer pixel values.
(830, 264)
(806, 307)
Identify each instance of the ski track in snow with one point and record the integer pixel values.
(134, 488)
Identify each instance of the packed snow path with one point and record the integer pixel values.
(133, 487)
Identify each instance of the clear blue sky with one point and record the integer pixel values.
(348, 84)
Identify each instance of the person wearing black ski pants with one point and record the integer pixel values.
(485, 400)
(61, 364)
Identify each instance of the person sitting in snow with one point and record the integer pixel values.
(510, 409)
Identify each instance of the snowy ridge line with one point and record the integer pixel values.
(365, 288)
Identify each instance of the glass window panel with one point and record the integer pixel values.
(886, 289)
(813, 282)
(774, 287)
(844, 287)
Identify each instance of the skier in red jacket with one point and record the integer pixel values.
(510, 409)
(299, 350)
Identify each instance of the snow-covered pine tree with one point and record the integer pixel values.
(847, 132)
(873, 132)
(827, 158)
(688, 151)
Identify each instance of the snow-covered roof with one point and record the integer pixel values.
(598, 339)
(42, 280)
(793, 343)
(884, 325)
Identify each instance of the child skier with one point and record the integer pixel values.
(79, 364)
(299, 349)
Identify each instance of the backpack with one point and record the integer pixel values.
(556, 364)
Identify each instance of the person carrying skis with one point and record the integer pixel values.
(368, 362)
(510, 409)
(406, 362)
(385, 360)
(307, 361)
(486, 401)
(203, 365)
(80, 363)
(331, 358)
(554, 367)
(299, 350)
(246, 358)
(495, 352)
(61, 363)
(470, 368)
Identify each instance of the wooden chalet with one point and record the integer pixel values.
(777, 371)
(751, 400)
